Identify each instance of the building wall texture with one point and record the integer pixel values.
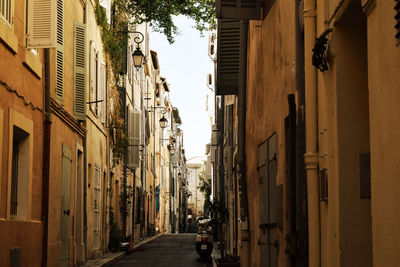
(270, 78)
(20, 74)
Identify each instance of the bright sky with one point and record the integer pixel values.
(185, 64)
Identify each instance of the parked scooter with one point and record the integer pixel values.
(204, 238)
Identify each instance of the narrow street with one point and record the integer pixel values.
(166, 250)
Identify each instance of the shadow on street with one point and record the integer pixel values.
(166, 250)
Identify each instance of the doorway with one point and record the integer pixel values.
(355, 234)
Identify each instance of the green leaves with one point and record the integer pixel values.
(159, 14)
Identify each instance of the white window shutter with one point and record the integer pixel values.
(136, 138)
(80, 70)
(103, 91)
(130, 138)
(42, 23)
(92, 87)
(129, 62)
(108, 11)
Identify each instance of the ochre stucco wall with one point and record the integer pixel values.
(26, 234)
(270, 78)
(384, 84)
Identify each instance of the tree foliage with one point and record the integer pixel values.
(205, 189)
(159, 14)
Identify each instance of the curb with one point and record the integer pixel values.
(135, 246)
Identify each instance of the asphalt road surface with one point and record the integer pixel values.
(167, 250)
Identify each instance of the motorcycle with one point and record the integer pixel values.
(204, 239)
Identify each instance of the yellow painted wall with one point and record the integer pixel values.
(384, 84)
(270, 78)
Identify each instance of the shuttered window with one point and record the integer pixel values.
(106, 4)
(79, 70)
(60, 52)
(397, 17)
(7, 12)
(228, 55)
(103, 91)
(129, 62)
(92, 74)
(96, 208)
(134, 138)
(45, 22)
(238, 9)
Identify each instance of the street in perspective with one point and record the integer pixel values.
(227, 133)
(166, 250)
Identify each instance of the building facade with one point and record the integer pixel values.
(308, 81)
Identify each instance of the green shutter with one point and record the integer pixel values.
(228, 55)
(60, 52)
(79, 70)
(238, 9)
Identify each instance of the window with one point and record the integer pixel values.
(7, 12)
(98, 84)
(96, 207)
(19, 174)
(93, 77)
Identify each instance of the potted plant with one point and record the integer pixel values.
(220, 215)
(115, 238)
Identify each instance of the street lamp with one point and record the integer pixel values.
(138, 57)
(163, 121)
(137, 54)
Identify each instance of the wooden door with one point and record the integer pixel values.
(65, 205)
(267, 170)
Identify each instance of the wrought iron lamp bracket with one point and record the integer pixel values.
(319, 58)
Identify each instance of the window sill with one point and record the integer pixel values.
(8, 38)
(33, 64)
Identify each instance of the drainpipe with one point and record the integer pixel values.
(46, 157)
(311, 156)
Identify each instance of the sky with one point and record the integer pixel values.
(185, 65)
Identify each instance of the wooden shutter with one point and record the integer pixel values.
(130, 138)
(133, 138)
(42, 22)
(136, 138)
(7, 12)
(103, 90)
(228, 55)
(79, 70)
(129, 62)
(60, 52)
(93, 81)
(238, 9)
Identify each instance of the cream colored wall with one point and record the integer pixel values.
(343, 134)
(96, 141)
(61, 135)
(384, 84)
